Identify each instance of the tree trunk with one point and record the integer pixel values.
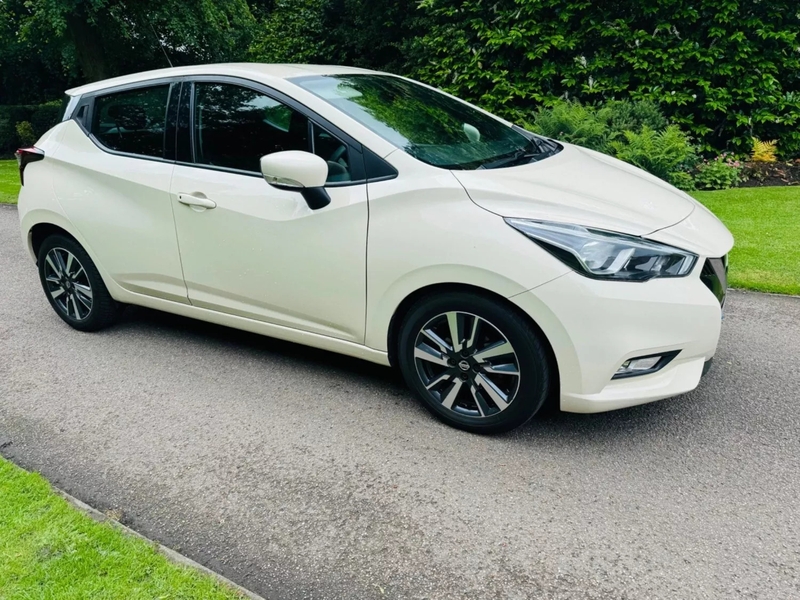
(88, 46)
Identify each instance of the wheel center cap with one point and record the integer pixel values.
(463, 365)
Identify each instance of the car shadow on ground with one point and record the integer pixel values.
(674, 417)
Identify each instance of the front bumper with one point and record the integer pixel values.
(594, 326)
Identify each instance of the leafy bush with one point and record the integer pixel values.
(574, 123)
(40, 117)
(25, 133)
(44, 116)
(662, 153)
(596, 126)
(627, 115)
(721, 173)
(764, 151)
(636, 132)
(683, 181)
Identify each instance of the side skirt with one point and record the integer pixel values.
(280, 332)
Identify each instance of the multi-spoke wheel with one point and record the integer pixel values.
(476, 363)
(74, 286)
(68, 284)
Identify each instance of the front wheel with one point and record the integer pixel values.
(475, 363)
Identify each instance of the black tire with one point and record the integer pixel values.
(84, 311)
(528, 354)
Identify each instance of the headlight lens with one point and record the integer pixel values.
(607, 255)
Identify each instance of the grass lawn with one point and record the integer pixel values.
(765, 223)
(9, 181)
(48, 549)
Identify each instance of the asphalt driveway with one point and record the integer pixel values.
(301, 474)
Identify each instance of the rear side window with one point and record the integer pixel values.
(133, 121)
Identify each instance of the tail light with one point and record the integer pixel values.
(26, 156)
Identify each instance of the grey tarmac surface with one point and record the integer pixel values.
(302, 474)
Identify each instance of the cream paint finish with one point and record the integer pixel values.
(700, 232)
(295, 169)
(289, 334)
(594, 326)
(122, 206)
(262, 253)
(421, 239)
(575, 186)
(259, 259)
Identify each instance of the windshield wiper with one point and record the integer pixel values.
(516, 158)
(536, 149)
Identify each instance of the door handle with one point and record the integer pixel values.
(195, 200)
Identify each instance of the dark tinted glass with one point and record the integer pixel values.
(132, 121)
(335, 152)
(427, 124)
(235, 126)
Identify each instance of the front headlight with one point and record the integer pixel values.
(607, 255)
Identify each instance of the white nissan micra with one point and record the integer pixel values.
(367, 214)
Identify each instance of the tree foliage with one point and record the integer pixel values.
(723, 70)
(102, 38)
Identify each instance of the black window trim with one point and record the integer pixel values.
(88, 100)
(354, 147)
(179, 83)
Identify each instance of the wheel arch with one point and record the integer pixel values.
(37, 225)
(408, 302)
(41, 231)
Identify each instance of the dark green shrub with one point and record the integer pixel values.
(25, 133)
(40, 117)
(45, 116)
(10, 115)
(627, 115)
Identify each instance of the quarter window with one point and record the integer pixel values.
(132, 121)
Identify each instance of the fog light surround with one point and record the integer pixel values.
(644, 365)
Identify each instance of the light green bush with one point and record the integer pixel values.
(721, 173)
(574, 123)
(662, 153)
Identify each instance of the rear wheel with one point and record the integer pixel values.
(73, 285)
(476, 364)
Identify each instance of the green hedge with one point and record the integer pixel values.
(41, 117)
(724, 70)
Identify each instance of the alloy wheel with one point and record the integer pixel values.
(466, 364)
(68, 284)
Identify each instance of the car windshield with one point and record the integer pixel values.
(427, 124)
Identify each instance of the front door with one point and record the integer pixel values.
(254, 251)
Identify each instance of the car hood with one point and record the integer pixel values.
(583, 187)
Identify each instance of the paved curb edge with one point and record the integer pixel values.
(171, 554)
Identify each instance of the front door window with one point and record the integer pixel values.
(235, 126)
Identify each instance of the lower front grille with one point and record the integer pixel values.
(715, 276)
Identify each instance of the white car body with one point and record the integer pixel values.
(335, 278)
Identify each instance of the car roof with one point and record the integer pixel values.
(261, 71)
